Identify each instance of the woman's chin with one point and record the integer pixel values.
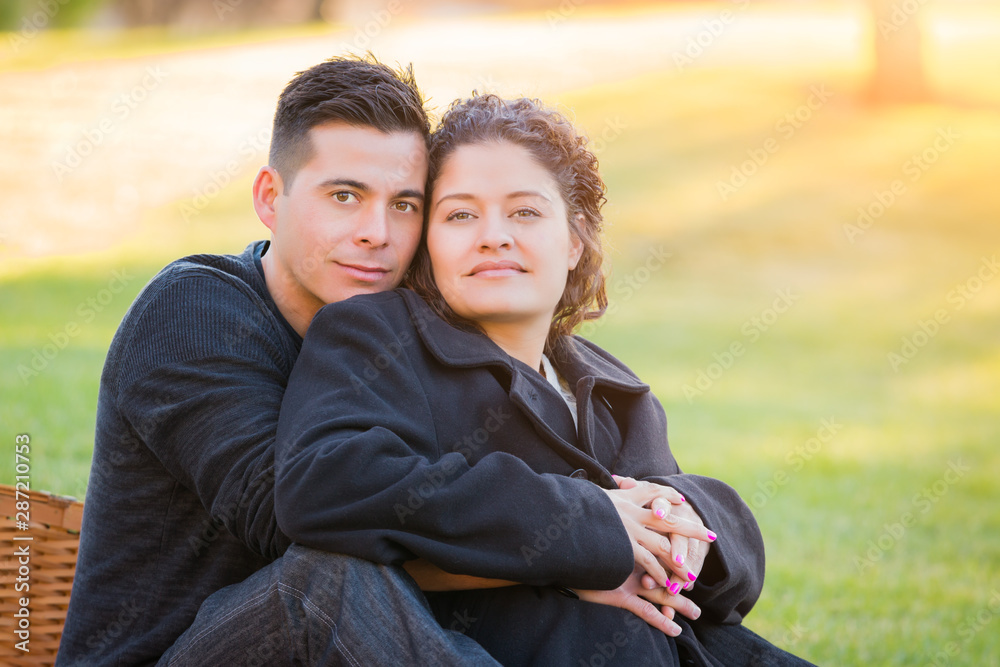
(488, 315)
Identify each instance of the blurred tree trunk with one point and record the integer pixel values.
(146, 12)
(899, 66)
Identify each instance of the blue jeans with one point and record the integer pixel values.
(311, 607)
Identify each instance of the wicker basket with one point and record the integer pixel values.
(55, 533)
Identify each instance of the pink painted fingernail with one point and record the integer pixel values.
(712, 536)
(675, 588)
(679, 558)
(660, 513)
(683, 500)
(692, 576)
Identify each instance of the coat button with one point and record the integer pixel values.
(579, 473)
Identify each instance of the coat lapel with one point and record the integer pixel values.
(528, 390)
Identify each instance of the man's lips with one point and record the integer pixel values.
(364, 272)
(496, 269)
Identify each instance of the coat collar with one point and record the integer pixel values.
(578, 359)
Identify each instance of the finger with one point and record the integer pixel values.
(641, 494)
(685, 527)
(696, 553)
(683, 606)
(678, 561)
(675, 497)
(625, 482)
(659, 546)
(648, 612)
(648, 583)
(667, 494)
(649, 563)
(678, 603)
(661, 508)
(675, 584)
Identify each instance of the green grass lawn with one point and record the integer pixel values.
(874, 486)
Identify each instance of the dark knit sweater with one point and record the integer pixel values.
(180, 501)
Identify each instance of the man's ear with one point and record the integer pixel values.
(575, 242)
(266, 188)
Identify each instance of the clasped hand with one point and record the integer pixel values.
(670, 543)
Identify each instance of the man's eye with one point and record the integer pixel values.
(343, 197)
(405, 206)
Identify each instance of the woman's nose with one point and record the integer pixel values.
(495, 232)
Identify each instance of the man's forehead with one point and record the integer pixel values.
(363, 153)
(368, 137)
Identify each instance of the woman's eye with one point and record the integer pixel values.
(459, 215)
(343, 197)
(526, 213)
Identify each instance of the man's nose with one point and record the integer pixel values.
(373, 229)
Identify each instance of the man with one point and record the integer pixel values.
(181, 560)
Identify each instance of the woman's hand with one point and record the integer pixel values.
(648, 526)
(687, 556)
(657, 607)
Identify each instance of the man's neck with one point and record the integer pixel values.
(297, 306)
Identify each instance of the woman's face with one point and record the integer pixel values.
(498, 236)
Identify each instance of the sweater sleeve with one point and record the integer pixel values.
(733, 574)
(201, 372)
(360, 472)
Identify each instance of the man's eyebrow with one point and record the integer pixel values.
(410, 194)
(349, 182)
(364, 187)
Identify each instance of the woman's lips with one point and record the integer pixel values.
(496, 269)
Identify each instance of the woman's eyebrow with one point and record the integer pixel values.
(464, 196)
(529, 193)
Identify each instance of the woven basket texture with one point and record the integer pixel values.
(54, 530)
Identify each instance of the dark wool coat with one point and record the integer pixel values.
(437, 415)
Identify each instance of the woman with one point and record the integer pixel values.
(476, 370)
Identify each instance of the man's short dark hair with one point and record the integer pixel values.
(357, 91)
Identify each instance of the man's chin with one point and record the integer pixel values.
(355, 290)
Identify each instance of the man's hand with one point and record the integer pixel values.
(657, 607)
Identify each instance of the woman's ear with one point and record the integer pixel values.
(575, 242)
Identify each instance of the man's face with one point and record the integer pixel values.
(351, 220)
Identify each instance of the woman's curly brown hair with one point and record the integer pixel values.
(554, 143)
